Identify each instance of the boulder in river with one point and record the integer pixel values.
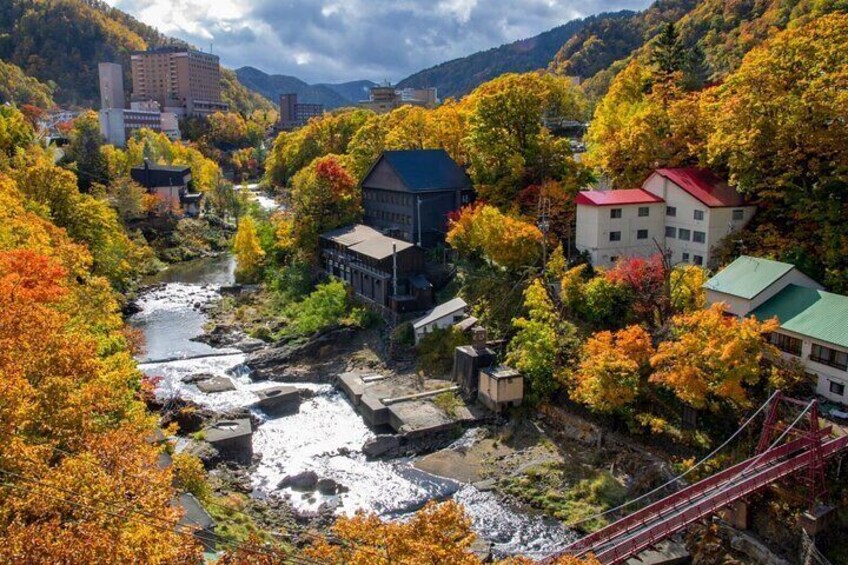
(329, 486)
(215, 384)
(381, 445)
(306, 481)
(271, 361)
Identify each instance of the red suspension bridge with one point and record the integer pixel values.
(799, 448)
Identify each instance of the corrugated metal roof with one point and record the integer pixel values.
(380, 246)
(616, 197)
(425, 169)
(440, 311)
(810, 312)
(351, 235)
(704, 185)
(748, 276)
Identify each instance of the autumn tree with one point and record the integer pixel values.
(323, 197)
(778, 126)
(248, 251)
(544, 345)
(613, 369)
(486, 232)
(83, 152)
(713, 358)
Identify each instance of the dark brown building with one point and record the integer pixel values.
(380, 269)
(294, 114)
(409, 194)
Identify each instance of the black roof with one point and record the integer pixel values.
(150, 176)
(423, 170)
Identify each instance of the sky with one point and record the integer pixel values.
(342, 40)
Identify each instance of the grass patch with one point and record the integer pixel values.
(568, 494)
(449, 402)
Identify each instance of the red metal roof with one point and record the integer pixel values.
(616, 197)
(704, 185)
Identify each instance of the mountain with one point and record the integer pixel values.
(60, 42)
(354, 91)
(460, 76)
(330, 95)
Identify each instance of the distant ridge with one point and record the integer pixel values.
(330, 95)
(460, 76)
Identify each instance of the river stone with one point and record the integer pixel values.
(215, 384)
(191, 379)
(306, 481)
(380, 445)
(329, 486)
(485, 485)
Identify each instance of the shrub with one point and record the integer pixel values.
(190, 476)
(324, 307)
(435, 351)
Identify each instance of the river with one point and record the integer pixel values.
(325, 436)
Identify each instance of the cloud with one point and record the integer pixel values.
(337, 40)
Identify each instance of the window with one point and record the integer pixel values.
(683, 234)
(670, 232)
(837, 388)
(641, 234)
(699, 237)
(644, 211)
(670, 211)
(615, 213)
(698, 260)
(738, 215)
(786, 343)
(699, 215)
(615, 236)
(828, 356)
(685, 257)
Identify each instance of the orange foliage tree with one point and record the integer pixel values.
(613, 368)
(80, 482)
(486, 231)
(712, 357)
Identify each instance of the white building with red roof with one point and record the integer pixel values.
(685, 211)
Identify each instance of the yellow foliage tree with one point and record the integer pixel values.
(249, 253)
(502, 239)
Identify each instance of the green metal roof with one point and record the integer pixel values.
(810, 312)
(747, 276)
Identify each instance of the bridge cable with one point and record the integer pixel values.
(679, 477)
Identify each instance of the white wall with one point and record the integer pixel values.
(594, 224)
(824, 373)
(717, 222)
(735, 305)
(441, 323)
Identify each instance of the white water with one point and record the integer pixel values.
(325, 436)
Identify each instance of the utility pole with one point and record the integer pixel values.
(544, 224)
(418, 202)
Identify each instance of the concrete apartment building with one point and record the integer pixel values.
(409, 194)
(183, 81)
(813, 328)
(294, 114)
(111, 86)
(684, 211)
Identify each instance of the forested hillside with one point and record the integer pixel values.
(716, 34)
(62, 41)
(460, 76)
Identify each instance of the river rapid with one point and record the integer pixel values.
(325, 436)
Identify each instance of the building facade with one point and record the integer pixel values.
(692, 209)
(111, 86)
(118, 124)
(382, 270)
(182, 81)
(409, 194)
(294, 114)
(813, 329)
(618, 223)
(172, 185)
(445, 315)
(384, 98)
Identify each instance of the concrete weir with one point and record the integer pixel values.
(404, 407)
(278, 400)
